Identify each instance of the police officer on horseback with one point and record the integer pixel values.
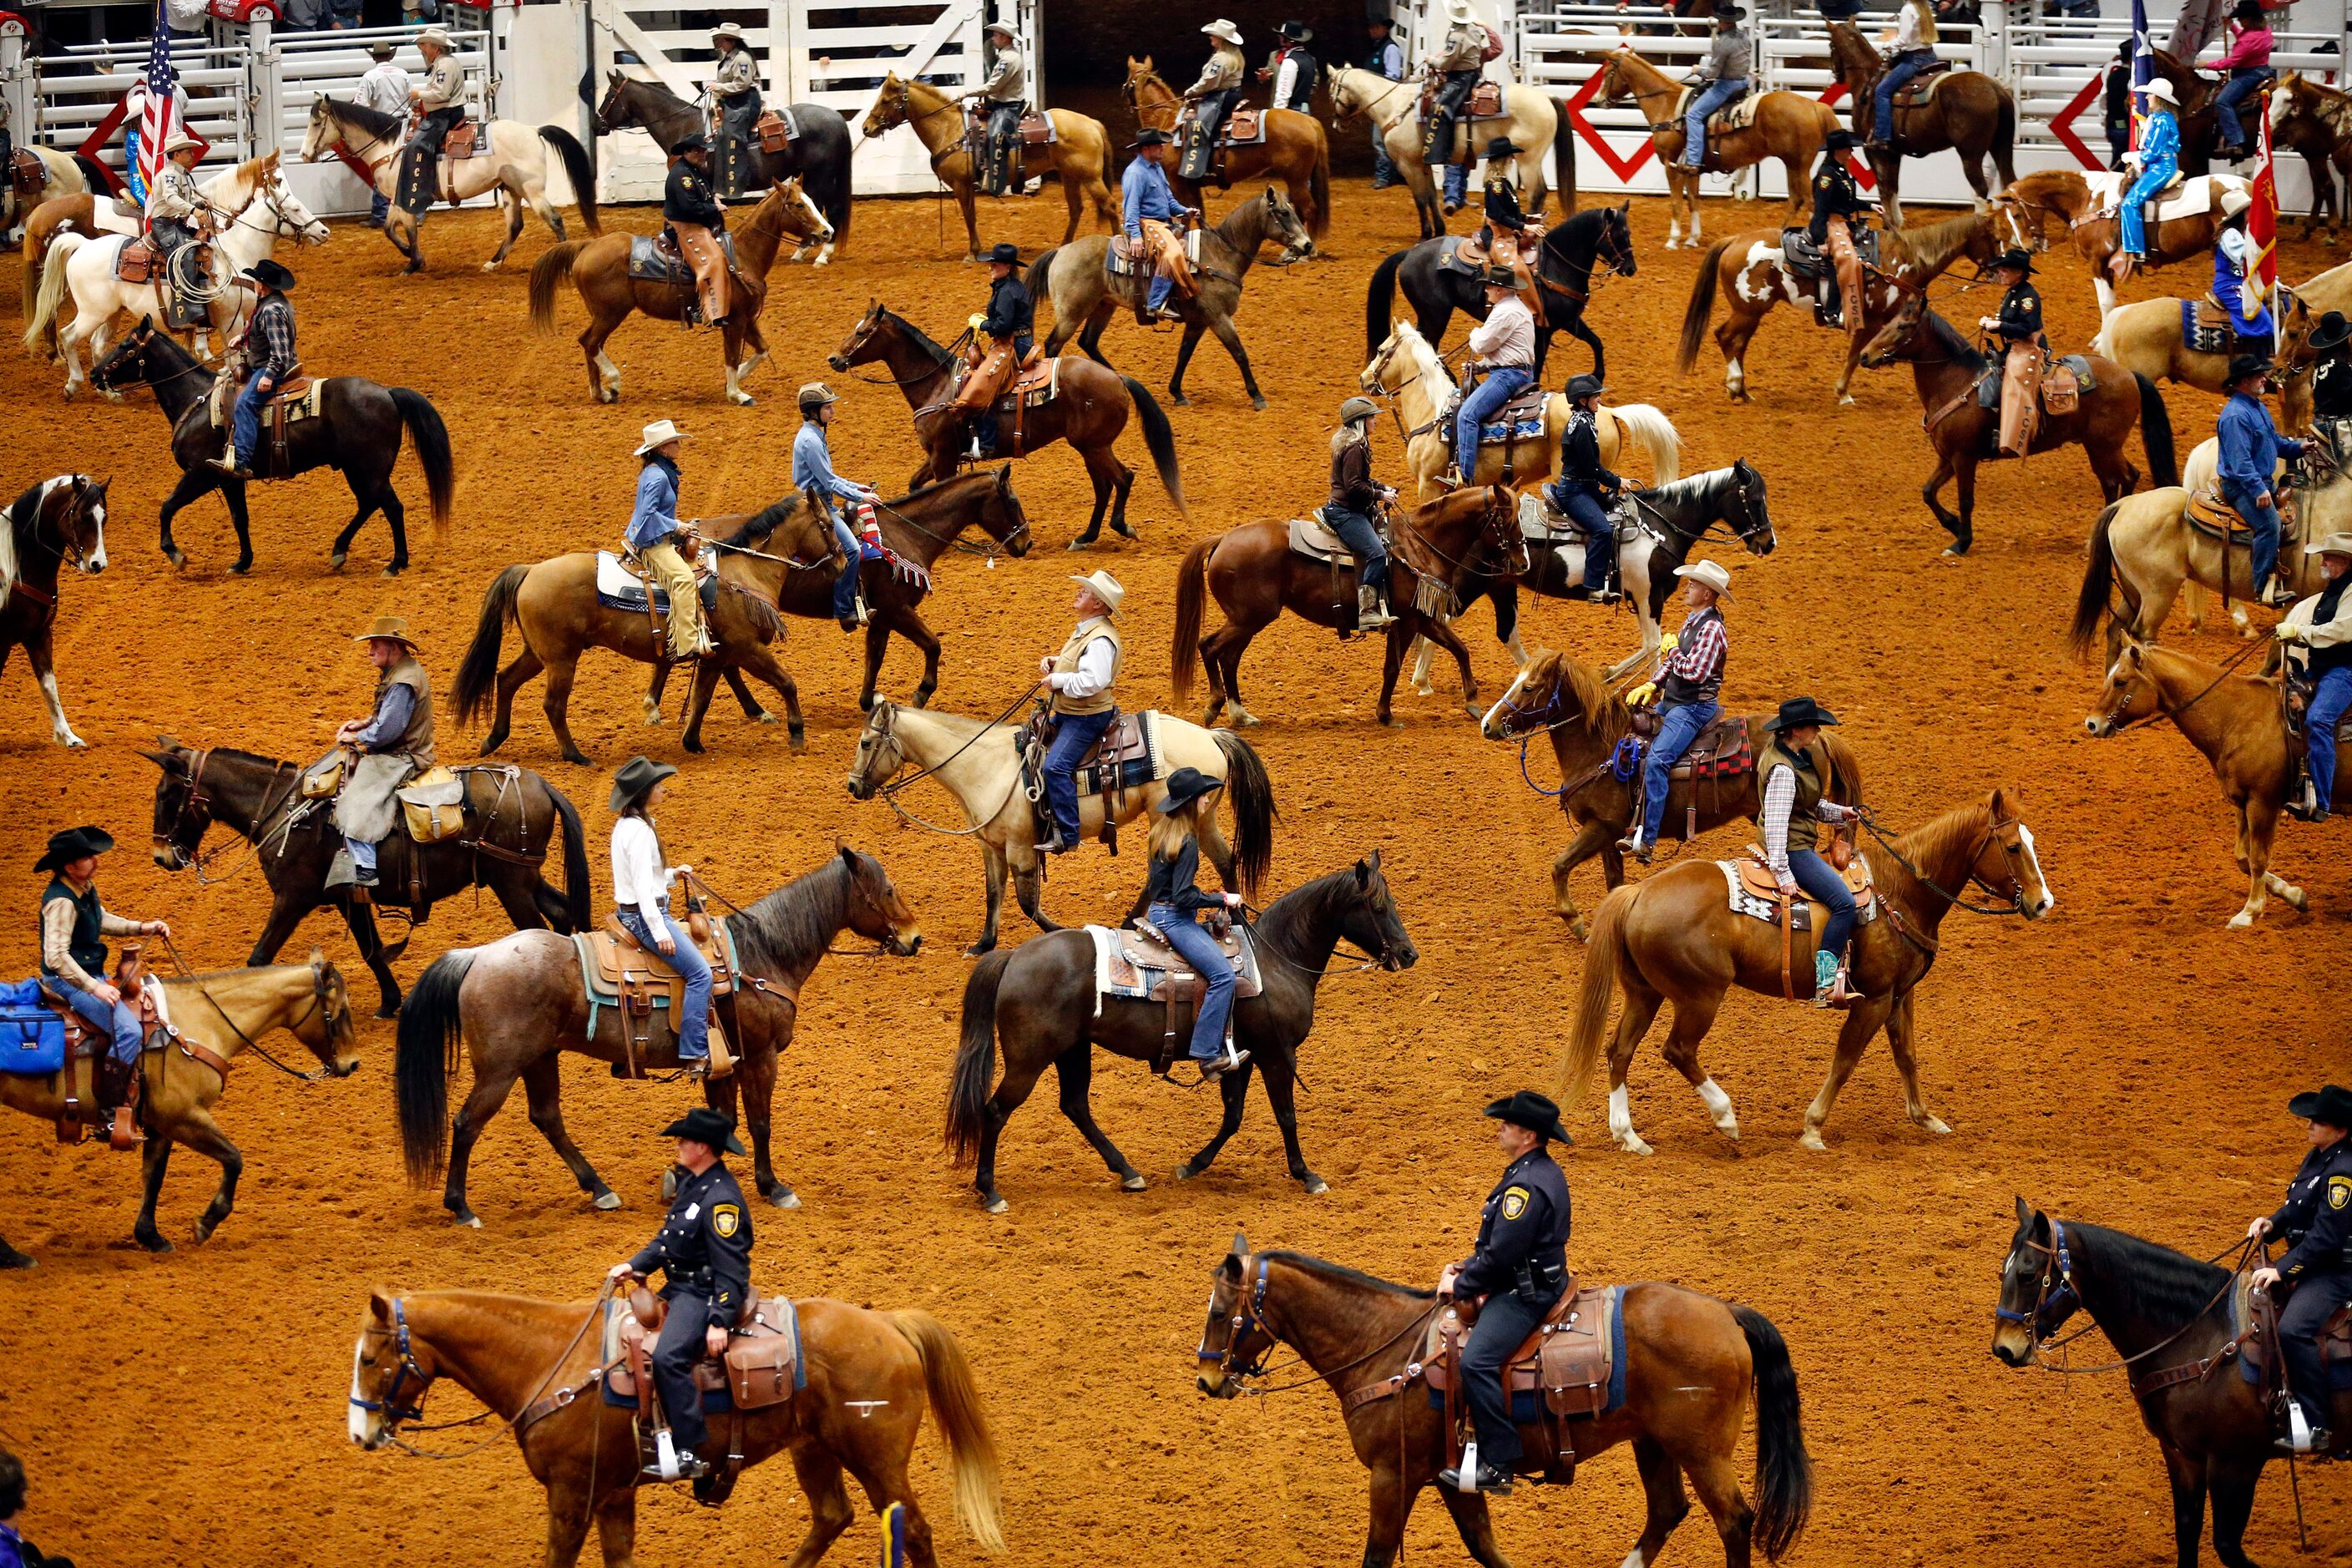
(1839, 205)
(176, 224)
(1520, 1267)
(1008, 327)
(735, 113)
(2315, 1223)
(1585, 489)
(1002, 96)
(440, 107)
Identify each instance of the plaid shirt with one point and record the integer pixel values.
(1693, 671)
(269, 341)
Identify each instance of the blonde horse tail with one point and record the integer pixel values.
(554, 265)
(1658, 437)
(1601, 957)
(977, 1474)
(53, 288)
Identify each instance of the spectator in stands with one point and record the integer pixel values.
(15, 1551)
(1385, 56)
(385, 88)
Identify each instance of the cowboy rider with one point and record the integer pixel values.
(735, 107)
(2250, 449)
(2015, 386)
(1002, 95)
(267, 351)
(641, 879)
(1459, 62)
(74, 929)
(1585, 490)
(2322, 625)
(1148, 209)
(1080, 677)
(1355, 496)
(1690, 677)
(2246, 65)
(440, 107)
(1520, 1267)
(1838, 203)
(1008, 324)
(2315, 1223)
(1292, 70)
(1172, 903)
(1504, 351)
(178, 222)
(392, 744)
(1214, 94)
(704, 1250)
(819, 486)
(695, 220)
(1792, 806)
(1722, 78)
(655, 531)
(2237, 287)
(2157, 160)
(1910, 51)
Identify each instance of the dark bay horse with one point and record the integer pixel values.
(1968, 113)
(1296, 149)
(512, 1353)
(1564, 266)
(517, 1005)
(819, 155)
(516, 822)
(357, 433)
(1088, 411)
(1692, 1365)
(54, 522)
(1038, 1001)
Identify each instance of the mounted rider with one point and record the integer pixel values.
(1172, 903)
(819, 486)
(695, 220)
(1460, 60)
(2157, 160)
(2246, 66)
(735, 104)
(1213, 96)
(1721, 79)
(2315, 1223)
(1509, 235)
(1355, 496)
(1585, 490)
(1148, 212)
(1838, 204)
(1004, 93)
(641, 878)
(1910, 49)
(1082, 706)
(1520, 1267)
(391, 745)
(2237, 287)
(1291, 69)
(1792, 807)
(1008, 325)
(1689, 679)
(655, 535)
(2322, 627)
(74, 929)
(179, 223)
(2014, 385)
(1502, 347)
(439, 102)
(2250, 449)
(266, 354)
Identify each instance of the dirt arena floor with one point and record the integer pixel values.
(2127, 1060)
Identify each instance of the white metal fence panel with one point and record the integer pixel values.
(1793, 55)
(75, 91)
(1566, 54)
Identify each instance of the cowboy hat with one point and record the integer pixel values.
(714, 1130)
(389, 628)
(1730, 14)
(1458, 10)
(1103, 586)
(269, 275)
(74, 844)
(1296, 32)
(2333, 329)
(434, 36)
(1150, 136)
(182, 142)
(692, 142)
(728, 30)
(1186, 785)
(1839, 141)
(1004, 253)
(2243, 366)
(1533, 1112)
(1220, 28)
(2014, 259)
(1001, 26)
(660, 433)
(1797, 712)
(1711, 575)
(2333, 544)
(1357, 408)
(1501, 278)
(635, 777)
(2160, 89)
(1582, 386)
(380, 50)
(2330, 1104)
(1503, 147)
(817, 395)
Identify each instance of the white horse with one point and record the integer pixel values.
(262, 209)
(1535, 123)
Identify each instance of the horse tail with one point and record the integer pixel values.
(1191, 590)
(2155, 431)
(1700, 310)
(978, 1477)
(1318, 186)
(975, 1063)
(578, 895)
(431, 1024)
(1253, 798)
(1601, 957)
(1563, 148)
(432, 438)
(93, 173)
(1159, 439)
(2004, 134)
(2098, 584)
(1379, 303)
(1784, 1471)
(1658, 437)
(553, 266)
(43, 313)
(1036, 280)
(578, 170)
(479, 674)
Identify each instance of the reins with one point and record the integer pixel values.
(2015, 907)
(2162, 711)
(2059, 1264)
(318, 1004)
(696, 878)
(408, 1368)
(889, 792)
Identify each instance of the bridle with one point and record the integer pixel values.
(1248, 1317)
(1756, 519)
(66, 548)
(2012, 850)
(2055, 1299)
(902, 99)
(2112, 716)
(195, 812)
(388, 1405)
(864, 333)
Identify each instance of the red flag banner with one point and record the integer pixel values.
(2262, 222)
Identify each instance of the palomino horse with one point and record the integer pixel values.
(818, 155)
(516, 168)
(1691, 1365)
(54, 522)
(1088, 410)
(1789, 127)
(1562, 267)
(2144, 337)
(978, 761)
(357, 433)
(1945, 372)
(62, 175)
(1071, 277)
(2234, 723)
(536, 1365)
(1294, 150)
(1572, 705)
(1674, 937)
(1039, 1002)
(1465, 540)
(1534, 121)
(1750, 272)
(1079, 155)
(1966, 112)
(599, 269)
(2315, 121)
(518, 1005)
(2095, 232)
(217, 1016)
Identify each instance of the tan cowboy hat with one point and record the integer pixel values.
(182, 142)
(1220, 28)
(661, 432)
(436, 37)
(729, 30)
(2334, 544)
(389, 628)
(1709, 572)
(1103, 586)
(1458, 10)
(2158, 88)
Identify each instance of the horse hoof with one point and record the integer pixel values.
(1390, 721)
(994, 1205)
(1086, 543)
(785, 1198)
(2297, 898)
(1632, 1143)
(1315, 1186)
(1846, 400)
(1811, 1139)
(981, 949)
(653, 715)
(389, 1010)
(335, 559)
(394, 568)
(240, 568)
(798, 741)
(607, 1200)
(765, 717)
(2240, 920)
(577, 759)
(1132, 1182)
(12, 1259)
(490, 267)
(202, 1230)
(1187, 1170)
(172, 552)
(1258, 403)
(1935, 1124)
(155, 1243)
(1180, 400)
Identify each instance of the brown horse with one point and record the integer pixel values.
(1692, 1365)
(1295, 150)
(54, 522)
(1945, 372)
(1079, 154)
(1464, 541)
(2096, 233)
(599, 269)
(1675, 938)
(1966, 112)
(2144, 337)
(1088, 410)
(1572, 706)
(2234, 720)
(1787, 127)
(536, 1365)
(2315, 121)
(518, 1005)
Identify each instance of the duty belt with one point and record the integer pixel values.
(1533, 1279)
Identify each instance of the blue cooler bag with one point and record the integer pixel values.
(32, 1037)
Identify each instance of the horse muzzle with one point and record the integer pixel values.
(94, 564)
(906, 944)
(858, 788)
(1224, 1388)
(1401, 958)
(170, 858)
(2100, 725)
(837, 364)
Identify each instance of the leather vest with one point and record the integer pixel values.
(1066, 663)
(1804, 826)
(88, 943)
(417, 740)
(2337, 655)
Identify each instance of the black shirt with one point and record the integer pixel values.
(1580, 457)
(1502, 204)
(1834, 195)
(1171, 882)
(2021, 314)
(1525, 1220)
(705, 1245)
(2331, 386)
(2316, 1221)
(1011, 313)
(687, 199)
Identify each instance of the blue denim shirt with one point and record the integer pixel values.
(1143, 193)
(656, 518)
(2251, 445)
(812, 465)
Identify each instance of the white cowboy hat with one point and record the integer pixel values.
(659, 433)
(1220, 28)
(1103, 586)
(2334, 544)
(1709, 572)
(181, 140)
(729, 30)
(1458, 10)
(436, 37)
(2160, 89)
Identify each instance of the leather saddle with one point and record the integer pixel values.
(28, 175)
(1722, 750)
(1734, 116)
(1801, 257)
(1485, 103)
(1755, 880)
(86, 1045)
(1564, 1372)
(2257, 1346)
(1916, 92)
(2210, 513)
(655, 259)
(1531, 406)
(1127, 754)
(761, 1365)
(620, 973)
(1157, 965)
(621, 586)
(1310, 536)
(1036, 125)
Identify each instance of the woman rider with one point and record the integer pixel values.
(2157, 159)
(1171, 902)
(1355, 495)
(2247, 65)
(1585, 489)
(1794, 783)
(641, 880)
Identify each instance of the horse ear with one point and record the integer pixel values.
(2001, 802)
(614, 76)
(380, 1307)
(1363, 874)
(1241, 1244)
(164, 760)
(849, 855)
(2024, 1214)
(1374, 861)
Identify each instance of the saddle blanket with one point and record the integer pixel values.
(1522, 418)
(1540, 522)
(600, 952)
(1572, 1365)
(1312, 537)
(2188, 198)
(779, 1314)
(1124, 966)
(1731, 117)
(2205, 328)
(618, 588)
(1123, 258)
(1746, 901)
(32, 1036)
(1131, 745)
(651, 261)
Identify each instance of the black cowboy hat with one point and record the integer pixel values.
(1533, 1112)
(1840, 140)
(1730, 14)
(2014, 259)
(1797, 712)
(2250, 11)
(2244, 365)
(1150, 136)
(2330, 1104)
(1584, 385)
(269, 274)
(1004, 253)
(1501, 278)
(691, 141)
(1296, 32)
(712, 1129)
(635, 776)
(1186, 785)
(2333, 330)
(73, 844)
(1503, 147)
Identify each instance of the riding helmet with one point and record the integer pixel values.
(1357, 408)
(1582, 386)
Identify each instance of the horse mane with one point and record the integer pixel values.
(1583, 223)
(796, 920)
(1690, 486)
(24, 517)
(919, 338)
(1346, 1276)
(374, 122)
(1947, 337)
(2161, 1287)
(1935, 244)
(1604, 714)
(763, 524)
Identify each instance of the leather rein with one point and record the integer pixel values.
(196, 811)
(1249, 1317)
(395, 1414)
(2056, 1298)
(2112, 715)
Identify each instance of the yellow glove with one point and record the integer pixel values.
(975, 320)
(1671, 641)
(2287, 632)
(1641, 694)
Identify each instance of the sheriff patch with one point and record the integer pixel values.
(726, 1219)
(1515, 1202)
(2339, 1191)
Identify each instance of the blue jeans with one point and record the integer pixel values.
(2243, 83)
(1384, 169)
(2134, 238)
(1678, 726)
(1496, 388)
(844, 586)
(1590, 515)
(1826, 888)
(1197, 948)
(1074, 735)
(2264, 521)
(1157, 295)
(1718, 94)
(2299, 1322)
(2327, 708)
(362, 857)
(693, 1022)
(1364, 541)
(1890, 83)
(378, 205)
(1503, 1323)
(119, 1022)
(245, 422)
(1457, 184)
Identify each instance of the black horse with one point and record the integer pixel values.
(357, 431)
(55, 521)
(819, 154)
(1563, 269)
(512, 818)
(1040, 996)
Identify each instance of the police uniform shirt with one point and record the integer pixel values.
(173, 197)
(739, 73)
(705, 1245)
(445, 85)
(2021, 312)
(687, 199)
(1012, 314)
(2316, 1221)
(2331, 387)
(1502, 203)
(1525, 1220)
(1007, 77)
(1834, 195)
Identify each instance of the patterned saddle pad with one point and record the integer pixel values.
(1520, 419)
(1754, 892)
(1141, 966)
(618, 586)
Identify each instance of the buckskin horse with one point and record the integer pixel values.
(1789, 127)
(1079, 155)
(1292, 148)
(356, 431)
(1965, 112)
(1691, 1365)
(216, 1018)
(518, 1005)
(514, 818)
(2096, 233)
(1088, 409)
(1572, 705)
(1038, 1001)
(1535, 123)
(54, 522)
(537, 1365)
(1675, 937)
(1562, 267)
(818, 153)
(2145, 338)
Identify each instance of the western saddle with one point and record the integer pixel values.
(2256, 1348)
(759, 1367)
(1565, 1368)
(621, 973)
(1791, 914)
(1141, 959)
(1313, 539)
(1125, 757)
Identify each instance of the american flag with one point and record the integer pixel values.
(160, 113)
(2143, 68)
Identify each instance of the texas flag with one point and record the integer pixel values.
(2261, 223)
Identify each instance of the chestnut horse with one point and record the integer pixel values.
(870, 1374)
(1967, 113)
(1692, 1365)
(2315, 121)
(1675, 937)
(1789, 127)
(54, 522)
(1295, 150)
(1079, 155)
(2097, 234)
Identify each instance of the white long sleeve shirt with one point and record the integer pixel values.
(384, 88)
(1286, 76)
(640, 879)
(2317, 633)
(1507, 335)
(1094, 672)
(1908, 33)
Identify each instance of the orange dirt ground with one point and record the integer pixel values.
(2127, 1060)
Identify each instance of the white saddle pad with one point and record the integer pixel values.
(2187, 198)
(614, 580)
(110, 218)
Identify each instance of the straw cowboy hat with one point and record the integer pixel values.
(389, 628)
(1709, 572)
(182, 142)
(1220, 28)
(2161, 89)
(380, 50)
(635, 777)
(1457, 10)
(728, 30)
(660, 433)
(75, 844)
(999, 25)
(1103, 586)
(437, 37)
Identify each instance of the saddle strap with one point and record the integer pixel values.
(1928, 422)
(2196, 1370)
(1787, 947)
